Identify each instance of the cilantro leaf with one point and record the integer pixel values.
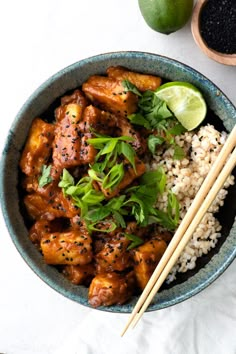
(153, 141)
(128, 86)
(45, 177)
(154, 109)
(170, 218)
(177, 129)
(138, 119)
(179, 153)
(120, 221)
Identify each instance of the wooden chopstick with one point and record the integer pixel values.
(202, 196)
(183, 242)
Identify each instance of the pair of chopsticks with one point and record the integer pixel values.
(214, 181)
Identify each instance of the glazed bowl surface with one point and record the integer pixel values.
(209, 267)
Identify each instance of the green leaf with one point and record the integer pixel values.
(138, 209)
(98, 141)
(162, 218)
(45, 177)
(128, 151)
(107, 139)
(109, 147)
(154, 108)
(138, 119)
(112, 227)
(173, 207)
(93, 197)
(156, 180)
(179, 153)
(116, 203)
(153, 141)
(177, 129)
(120, 221)
(66, 179)
(136, 241)
(114, 177)
(98, 214)
(96, 176)
(128, 86)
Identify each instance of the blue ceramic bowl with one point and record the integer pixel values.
(208, 268)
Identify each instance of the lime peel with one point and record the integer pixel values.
(185, 101)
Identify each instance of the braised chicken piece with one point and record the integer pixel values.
(146, 258)
(55, 206)
(38, 147)
(114, 255)
(111, 288)
(76, 97)
(129, 176)
(109, 94)
(142, 81)
(79, 274)
(73, 247)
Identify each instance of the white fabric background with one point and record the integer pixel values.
(38, 39)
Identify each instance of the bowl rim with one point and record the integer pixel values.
(228, 255)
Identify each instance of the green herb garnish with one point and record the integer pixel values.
(45, 177)
(82, 193)
(154, 114)
(128, 86)
(109, 149)
(136, 241)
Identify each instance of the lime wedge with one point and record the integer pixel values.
(185, 101)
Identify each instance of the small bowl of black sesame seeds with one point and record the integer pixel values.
(214, 29)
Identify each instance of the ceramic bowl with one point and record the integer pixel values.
(208, 267)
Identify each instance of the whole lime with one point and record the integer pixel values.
(166, 16)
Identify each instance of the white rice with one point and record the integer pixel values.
(184, 177)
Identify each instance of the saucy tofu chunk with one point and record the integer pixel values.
(100, 121)
(77, 97)
(111, 288)
(79, 274)
(146, 258)
(114, 255)
(73, 247)
(44, 226)
(38, 147)
(57, 206)
(108, 94)
(69, 149)
(126, 129)
(142, 81)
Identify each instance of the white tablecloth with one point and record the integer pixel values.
(38, 39)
